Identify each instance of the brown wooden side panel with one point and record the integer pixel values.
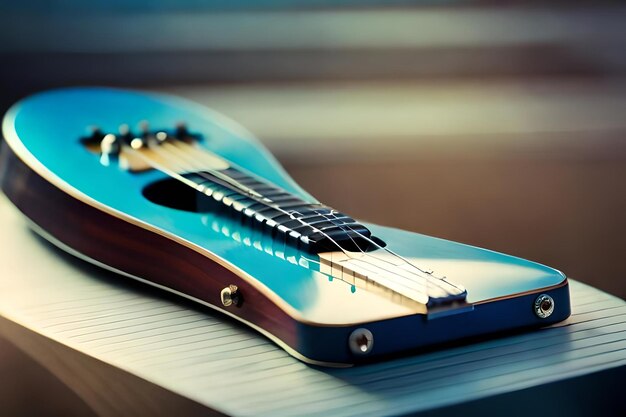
(135, 250)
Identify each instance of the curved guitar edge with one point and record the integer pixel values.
(224, 122)
(51, 213)
(120, 246)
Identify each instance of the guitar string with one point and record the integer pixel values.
(435, 282)
(266, 201)
(369, 240)
(175, 175)
(437, 279)
(430, 273)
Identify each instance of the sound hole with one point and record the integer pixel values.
(175, 194)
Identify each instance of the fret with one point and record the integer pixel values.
(250, 182)
(268, 212)
(297, 224)
(336, 220)
(315, 219)
(295, 204)
(238, 197)
(269, 190)
(286, 199)
(338, 233)
(234, 173)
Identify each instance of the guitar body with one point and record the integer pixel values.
(322, 311)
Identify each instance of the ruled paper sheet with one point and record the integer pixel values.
(198, 354)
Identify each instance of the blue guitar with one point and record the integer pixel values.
(177, 196)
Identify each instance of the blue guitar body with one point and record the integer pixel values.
(327, 305)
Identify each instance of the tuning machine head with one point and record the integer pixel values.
(123, 146)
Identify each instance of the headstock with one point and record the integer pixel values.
(125, 147)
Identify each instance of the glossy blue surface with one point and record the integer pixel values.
(62, 118)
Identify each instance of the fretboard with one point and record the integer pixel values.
(311, 226)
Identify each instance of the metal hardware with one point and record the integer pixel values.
(361, 341)
(543, 306)
(231, 296)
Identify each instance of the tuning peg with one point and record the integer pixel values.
(123, 129)
(144, 126)
(137, 143)
(181, 130)
(145, 138)
(109, 148)
(109, 144)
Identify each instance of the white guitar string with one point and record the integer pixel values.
(371, 241)
(437, 280)
(196, 186)
(268, 202)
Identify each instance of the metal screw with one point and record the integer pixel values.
(230, 296)
(543, 306)
(361, 342)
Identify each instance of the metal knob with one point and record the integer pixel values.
(543, 306)
(361, 342)
(230, 296)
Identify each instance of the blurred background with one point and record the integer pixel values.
(498, 124)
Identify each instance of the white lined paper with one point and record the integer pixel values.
(187, 350)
